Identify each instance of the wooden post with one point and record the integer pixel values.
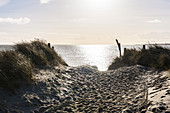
(144, 47)
(124, 51)
(53, 47)
(119, 46)
(49, 45)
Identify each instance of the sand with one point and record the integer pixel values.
(84, 89)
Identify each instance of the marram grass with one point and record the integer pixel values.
(16, 66)
(156, 57)
(39, 53)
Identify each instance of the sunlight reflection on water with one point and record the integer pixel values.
(100, 56)
(95, 55)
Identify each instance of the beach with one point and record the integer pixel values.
(85, 89)
(84, 56)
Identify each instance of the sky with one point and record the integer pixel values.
(85, 21)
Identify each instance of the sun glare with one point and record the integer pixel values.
(101, 4)
(94, 55)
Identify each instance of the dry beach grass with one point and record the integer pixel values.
(14, 68)
(156, 57)
(39, 53)
(17, 65)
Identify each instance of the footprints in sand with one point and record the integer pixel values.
(84, 89)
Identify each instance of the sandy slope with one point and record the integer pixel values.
(85, 89)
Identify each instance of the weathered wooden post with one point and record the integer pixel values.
(119, 46)
(49, 45)
(144, 47)
(124, 51)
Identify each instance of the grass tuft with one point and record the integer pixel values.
(17, 66)
(155, 57)
(40, 54)
(13, 68)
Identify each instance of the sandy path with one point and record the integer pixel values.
(85, 89)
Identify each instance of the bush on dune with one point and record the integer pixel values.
(155, 57)
(14, 67)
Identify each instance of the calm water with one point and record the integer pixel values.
(95, 55)
(6, 47)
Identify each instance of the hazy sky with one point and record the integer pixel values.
(85, 21)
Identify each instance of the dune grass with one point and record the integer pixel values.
(40, 54)
(16, 67)
(156, 57)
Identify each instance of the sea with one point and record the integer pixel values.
(100, 56)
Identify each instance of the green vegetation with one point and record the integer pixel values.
(16, 66)
(155, 57)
